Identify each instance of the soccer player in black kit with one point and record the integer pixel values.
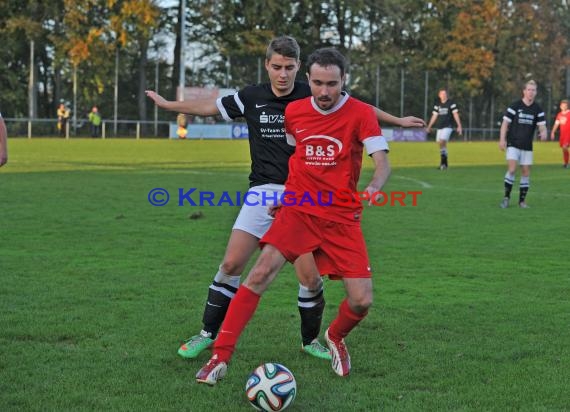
(263, 107)
(445, 113)
(516, 135)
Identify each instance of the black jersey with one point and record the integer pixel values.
(445, 114)
(264, 114)
(523, 120)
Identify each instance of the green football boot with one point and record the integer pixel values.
(317, 350)
(195, 345)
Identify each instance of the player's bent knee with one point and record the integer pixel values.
(360, 304)
(231, 267)
(313, 284)
(257, 277)
(260, 277)
(365, 305)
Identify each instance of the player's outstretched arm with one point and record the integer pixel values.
(381, 174)
(408, 121)
(197, 107)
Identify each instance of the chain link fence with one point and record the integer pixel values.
(399, 89)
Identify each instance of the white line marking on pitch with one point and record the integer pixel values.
(420, 182)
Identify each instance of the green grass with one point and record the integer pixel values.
(98, 287)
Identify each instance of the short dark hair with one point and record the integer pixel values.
(530, 82)
(286, 46)
(327, 56)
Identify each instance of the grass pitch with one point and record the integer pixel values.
(99, 288)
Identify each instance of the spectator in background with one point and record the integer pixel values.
(3, 142)
(182, 123)
(62, 119)
(95, 120)
(563, 121)
(444, 112)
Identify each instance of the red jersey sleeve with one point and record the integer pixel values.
(288, 130)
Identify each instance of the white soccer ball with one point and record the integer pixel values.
(271, 387)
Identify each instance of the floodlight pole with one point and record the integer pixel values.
(31, 108)
(182, 17)
(426, 94)
(74, 99)
(402, 90)
(377, 95)
(116, 95)
(228, 71)
(155, 106)
(31, 95)
(468, 134)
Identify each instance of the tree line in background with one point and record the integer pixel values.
(481, 50)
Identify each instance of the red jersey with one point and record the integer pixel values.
(563, 120)
(325, 168)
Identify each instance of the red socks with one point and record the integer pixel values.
(566, 156)
(241, 310)
(345, 321)
(243, 307)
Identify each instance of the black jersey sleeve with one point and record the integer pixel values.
(233, 106)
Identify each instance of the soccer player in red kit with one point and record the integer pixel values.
(263, 107)
(330, 131)
(563, 121)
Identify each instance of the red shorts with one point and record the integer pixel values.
(339, 249)
(564, 141)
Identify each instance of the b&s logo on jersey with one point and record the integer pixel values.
(321, 150)
(271, 118)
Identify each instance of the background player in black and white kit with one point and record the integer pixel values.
(263, 107)
(517, 133)
(444, 115)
